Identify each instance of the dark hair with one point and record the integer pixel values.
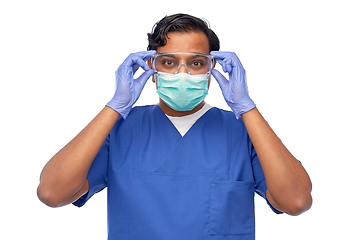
(180, 23)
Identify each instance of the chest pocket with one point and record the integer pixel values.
(204, 149)
(232, 208)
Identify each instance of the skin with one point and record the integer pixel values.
(289, 185)
(63, 179)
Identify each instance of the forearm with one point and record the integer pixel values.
(65, 174)
(289, 186)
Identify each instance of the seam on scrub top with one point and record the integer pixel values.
(146, 172)
(184, 175)
(229, 148)
(137, 166)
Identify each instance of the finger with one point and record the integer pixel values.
(226, 66)
(144, 77)
(137, 62)
(223, 59)
(139, 59)
(145, 55)
(148, 54)
(219, 55)
(232, 63)
(222, 81)
(235, 61)
(223, 65)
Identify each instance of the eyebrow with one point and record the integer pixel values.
(191, 56)
(168, 55)
(197, 55)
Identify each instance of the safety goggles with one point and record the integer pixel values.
(194, 63)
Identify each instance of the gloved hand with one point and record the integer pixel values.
(235, 90)
(128, 89)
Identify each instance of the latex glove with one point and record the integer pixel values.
(128, 89)
(235, 90)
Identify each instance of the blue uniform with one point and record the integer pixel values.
(164, 186)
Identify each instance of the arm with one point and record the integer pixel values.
(63, 179)
(289, 186)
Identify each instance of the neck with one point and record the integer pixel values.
(173, 113)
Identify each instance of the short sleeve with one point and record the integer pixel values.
(260, 183)
(97, 175)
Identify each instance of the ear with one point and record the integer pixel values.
(210, 75)
(149, 63)
(150, 66)
(214, 64)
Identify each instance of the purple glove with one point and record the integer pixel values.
(234, 91)
(128, 89)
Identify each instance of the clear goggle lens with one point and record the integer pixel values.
(176, 62)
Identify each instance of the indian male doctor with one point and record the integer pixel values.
(180, 169)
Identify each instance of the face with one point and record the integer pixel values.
(195, 42)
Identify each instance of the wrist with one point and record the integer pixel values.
(112, 111)
(242, 107)
(115, 105)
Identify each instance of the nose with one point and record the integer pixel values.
(182, 68)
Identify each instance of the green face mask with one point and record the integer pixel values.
(182, 91)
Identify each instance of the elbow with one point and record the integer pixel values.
(48, 197)
(300, 205)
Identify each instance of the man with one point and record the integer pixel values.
(180, 169)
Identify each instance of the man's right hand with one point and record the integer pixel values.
(128, 89)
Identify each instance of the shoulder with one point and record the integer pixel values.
(147, 109)
(235, 127)
(136, 113)
(228, 115)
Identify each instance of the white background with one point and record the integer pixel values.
(57, 64)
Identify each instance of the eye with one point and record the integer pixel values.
(197, 63)
(168, 62)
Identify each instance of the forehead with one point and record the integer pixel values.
(196, 42)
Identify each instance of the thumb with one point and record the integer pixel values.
(144, 77)
(222, 81)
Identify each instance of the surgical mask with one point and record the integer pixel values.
(182, 91)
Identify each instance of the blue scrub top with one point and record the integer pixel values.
(164, 186)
